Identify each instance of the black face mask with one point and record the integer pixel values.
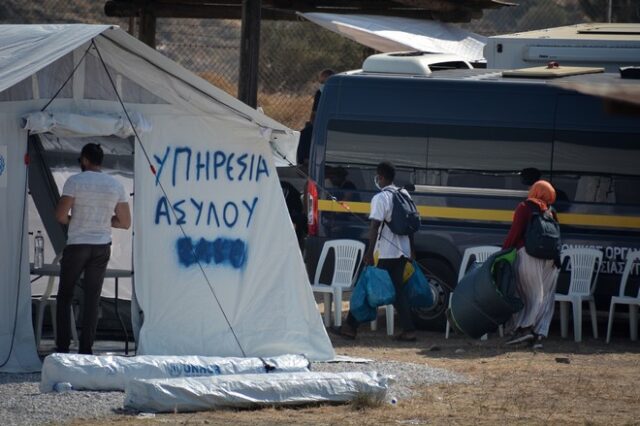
(82, 167)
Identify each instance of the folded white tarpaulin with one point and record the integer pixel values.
(87, 124)
(111, 373)
(251, 390)
(390, 33)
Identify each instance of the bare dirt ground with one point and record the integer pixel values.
(565, 383)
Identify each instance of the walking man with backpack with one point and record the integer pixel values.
(535, 233)
(394, 219)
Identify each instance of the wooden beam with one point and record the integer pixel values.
(124, 9)
(147, 31)
(120, 9)
(249, 52)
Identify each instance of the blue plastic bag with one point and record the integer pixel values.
(418, 289)
(358, 305)
(380, 290)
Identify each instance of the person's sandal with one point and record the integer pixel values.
(520, 336)
(537, 342)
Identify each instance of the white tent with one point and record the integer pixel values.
(216, 264)
(392, 33)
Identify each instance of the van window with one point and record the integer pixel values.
(597, 167)
(354, 149)
(486, 157)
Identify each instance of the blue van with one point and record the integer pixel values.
(461, 139)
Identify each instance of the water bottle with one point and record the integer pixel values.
(62, 387)
(38, 258)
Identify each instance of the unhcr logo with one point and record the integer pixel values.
(178, 370)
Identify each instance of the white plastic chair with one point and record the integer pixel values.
(48, 300)
(347, 255)
(621, 299)
(479, 255)
(585, 265)
(389, 312)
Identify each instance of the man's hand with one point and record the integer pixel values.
(373, 238)
(368, 258)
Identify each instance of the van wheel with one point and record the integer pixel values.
(442, 278)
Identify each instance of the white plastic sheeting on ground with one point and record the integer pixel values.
(250, 390)
(86, 124)
(391, 33)
(111, 373)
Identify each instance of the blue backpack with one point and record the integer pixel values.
(405, 219)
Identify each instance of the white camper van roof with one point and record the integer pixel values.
(412, 63)
(610, 46)
(591, 31)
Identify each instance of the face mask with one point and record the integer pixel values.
(321, 86)
(377, 183)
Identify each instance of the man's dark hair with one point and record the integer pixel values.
(327, 72)
(386, 170)
(529, 176)
(93, 152)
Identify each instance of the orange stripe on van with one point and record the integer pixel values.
(489, 215)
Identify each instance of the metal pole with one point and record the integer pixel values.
(249, 52)
(147, 27)
(610, 11)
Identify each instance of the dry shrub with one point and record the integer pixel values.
(292, 110)
(365, 400)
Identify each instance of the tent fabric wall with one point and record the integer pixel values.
(268, 302)
(31, 50)
(17, 343)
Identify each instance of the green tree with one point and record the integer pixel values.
(292, 54)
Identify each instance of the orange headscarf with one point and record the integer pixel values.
(542, 193)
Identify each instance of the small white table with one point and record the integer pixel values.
(53, 270)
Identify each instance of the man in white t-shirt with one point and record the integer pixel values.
(97, 203)
(393, 252)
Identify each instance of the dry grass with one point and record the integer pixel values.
(290, 109)
(509, 386)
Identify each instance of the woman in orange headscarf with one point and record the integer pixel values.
(536, 278)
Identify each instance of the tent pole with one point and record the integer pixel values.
(249, 52)
(147, 28)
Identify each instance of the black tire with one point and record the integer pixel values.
(442, 278)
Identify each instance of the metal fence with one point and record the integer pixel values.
(293, 52)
